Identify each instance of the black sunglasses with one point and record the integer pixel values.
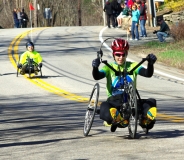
(119, 55)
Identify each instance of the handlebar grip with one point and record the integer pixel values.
(99, 54)
(144, 59)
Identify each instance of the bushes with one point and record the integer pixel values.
(174, 5)
(177, 31)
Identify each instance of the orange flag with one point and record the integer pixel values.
(31, 7)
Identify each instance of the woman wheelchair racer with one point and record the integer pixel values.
(109, 112)
(33, 55)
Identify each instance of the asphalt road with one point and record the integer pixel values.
(42, 118)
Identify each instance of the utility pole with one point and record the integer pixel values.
(35, 13)
(104, 18)
(149, 13)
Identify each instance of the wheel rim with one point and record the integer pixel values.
(91, 110)
(133, 108)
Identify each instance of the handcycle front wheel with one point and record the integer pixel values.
(40, 70)
(91, 109)
(132, 102)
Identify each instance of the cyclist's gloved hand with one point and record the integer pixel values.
(96, 63)
(151, 58)
(19, 65)
(40, 65)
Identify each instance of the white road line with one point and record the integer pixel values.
(156, 71)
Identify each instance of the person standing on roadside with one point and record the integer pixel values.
(137, 3)
(109, 14)
(19, 13)
(130, 3)
(116, 10)
(16, 21)
(143, 18)
(135, 23)
(25, 19)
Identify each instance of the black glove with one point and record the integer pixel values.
(154, 32)
(40, 65)
(96, 62)
(19, 65)
(151, 58)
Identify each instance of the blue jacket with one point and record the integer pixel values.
(135, 15)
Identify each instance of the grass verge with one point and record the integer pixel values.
(171, 54)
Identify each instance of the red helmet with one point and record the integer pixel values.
(119, 45)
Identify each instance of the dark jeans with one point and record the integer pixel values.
(115, 15)
(20, 23)
(24, 24)
(110, 17)
(16, 23)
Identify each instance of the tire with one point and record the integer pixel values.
(40, 72)
(17, 71)
(29, 72)
(29, 66)
(132, 102)
(91, 110)
(17, 66)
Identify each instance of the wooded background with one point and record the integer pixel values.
(64, 12)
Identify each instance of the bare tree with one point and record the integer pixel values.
(64, 12)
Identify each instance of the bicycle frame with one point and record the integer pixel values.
(124, 74)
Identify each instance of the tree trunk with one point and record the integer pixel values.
(35, 13)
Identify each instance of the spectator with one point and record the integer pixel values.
(109, 14)
(116, 10)
(24, 19)
(130, 3)
(135, 23)
(16, 21)
(143, 18)
(19, 13)
(164, 30)
(137, 3)
(124, 13)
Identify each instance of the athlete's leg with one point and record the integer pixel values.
(149, 112)
(23, 69)
(104, 112)
(112, 116)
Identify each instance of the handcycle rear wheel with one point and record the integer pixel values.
(40, 70)
(132, 127)
(91, 110)
(17, 66)
(17, 71)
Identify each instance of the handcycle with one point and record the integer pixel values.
(30, 67)
(130, 100)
